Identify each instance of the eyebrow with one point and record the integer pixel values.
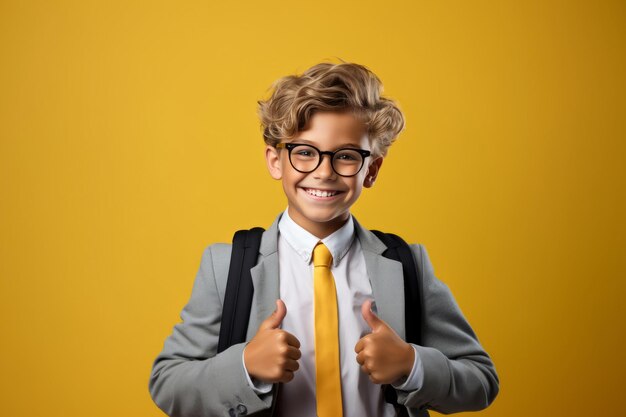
(343, 145)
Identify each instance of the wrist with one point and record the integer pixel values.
(247, 363)
(410, 359)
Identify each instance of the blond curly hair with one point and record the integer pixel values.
(330, 87)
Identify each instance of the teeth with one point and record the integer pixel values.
(320, 193)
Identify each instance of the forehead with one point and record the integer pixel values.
(334, 129)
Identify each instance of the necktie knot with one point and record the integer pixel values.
(322, 256)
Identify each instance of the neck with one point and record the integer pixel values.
(319, 230)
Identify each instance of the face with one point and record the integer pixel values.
(322, 215)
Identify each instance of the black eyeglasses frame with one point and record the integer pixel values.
(292, 145)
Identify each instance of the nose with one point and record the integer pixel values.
(325, 169)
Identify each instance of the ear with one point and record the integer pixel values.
(272, 158)
(372, 172)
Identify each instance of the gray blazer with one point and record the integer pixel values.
(189, 379)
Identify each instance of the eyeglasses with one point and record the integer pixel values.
(304, 158)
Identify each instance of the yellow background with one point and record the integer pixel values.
(129, 142)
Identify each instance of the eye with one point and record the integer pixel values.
(347, 156)
(303, 152)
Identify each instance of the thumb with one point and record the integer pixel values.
(370, 317)
(274, 320)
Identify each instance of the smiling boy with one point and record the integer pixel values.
(323, 350)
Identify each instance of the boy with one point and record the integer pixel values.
(325, 350)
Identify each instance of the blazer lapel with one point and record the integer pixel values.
(387, 280)
(265, 280)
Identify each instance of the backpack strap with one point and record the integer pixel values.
(239, 288)
(399, 250)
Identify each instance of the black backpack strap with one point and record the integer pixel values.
(239, 288)
(399, 250)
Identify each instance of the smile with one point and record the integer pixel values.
(321, 193)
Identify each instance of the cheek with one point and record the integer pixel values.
(360, 180)
(355, 188)
(291, 178)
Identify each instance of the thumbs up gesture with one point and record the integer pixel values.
(382, 354)
(272, 354)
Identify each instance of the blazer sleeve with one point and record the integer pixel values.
(458, 374)
(188, 377)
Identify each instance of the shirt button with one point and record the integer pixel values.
(242, 409)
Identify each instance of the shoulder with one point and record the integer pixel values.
(419, 252)
(217, 255)
(217, 251)
(215, 261)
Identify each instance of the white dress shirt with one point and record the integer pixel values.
(361, 397)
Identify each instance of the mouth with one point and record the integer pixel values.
(321, 194)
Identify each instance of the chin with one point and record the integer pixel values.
(325, 218)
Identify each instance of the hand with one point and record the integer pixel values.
(382, 354)
(272, 354)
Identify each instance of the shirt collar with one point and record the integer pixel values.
(303, 242)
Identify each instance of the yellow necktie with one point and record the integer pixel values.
(327, 367)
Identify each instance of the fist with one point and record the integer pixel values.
(382, 354)
(272, 354)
